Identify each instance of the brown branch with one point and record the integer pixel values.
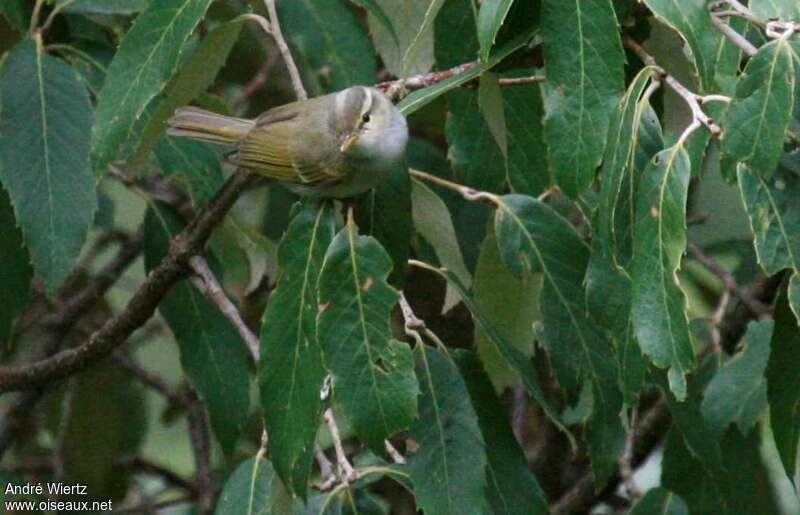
(140, 308)
(200, 436)
(277, 34)
(754, 305)
(141, 466)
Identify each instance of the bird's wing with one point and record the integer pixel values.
(271, 149)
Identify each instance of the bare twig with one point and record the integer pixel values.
(346, 471)
(294, 74)
(206, 282)
(692, 99)
(413, 324)
(61, 432)
(626, 459)
(141, 306)
(328, 478)
(142, 466)
(200, 437)
(518, 81)
(735, 38)
(465, 191)
(394, 453)
(715, 321)
(754, 305)
(258, 80)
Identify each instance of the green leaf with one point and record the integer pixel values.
(783, 384)
(690, 18)
(760, 112)
(372, 7)
(373, 377)
(196, 74)
(249, 488)
(585, 76)
(291, 371)
(490, 18)
(511, 488)
(106, 6)
(213, 357)
(455, 34)
(773, 206)
(607, 280)
(194, 161)
(449, 468)
(15, 270)
(516, 359)
(738, 391)
(526, 171)
(385, 213)
(784, 10)
(145, 61)
(424, 96)
(17, 12)
(659, 500)
(411, 51)
(658, 303)
(330, 38)
(490, 101)
(511, 302)
(433, 222)
(44, 157)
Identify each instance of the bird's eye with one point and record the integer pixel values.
(365, 118)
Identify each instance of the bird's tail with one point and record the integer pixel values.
(197, 124)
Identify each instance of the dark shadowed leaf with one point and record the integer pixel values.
(291, 371)
(194, 161)
(511, 487)
(761, 110)
(213, 357)
(44, 157)
(584, 67)
(373, 375)
(490, 101)
(490, 18)
(330, 38)
(144, 63)
(372, 7)
(783, 384)
(659, 500)
(738, 391)
(658, 304)
(449, 468)
(15, 269)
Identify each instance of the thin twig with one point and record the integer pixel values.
(200, 438)
(61, 432)
(142, 466)
(735, 38)
(394, 453)
(692, 99)
(328, 478)
(207, 283)
(465, 191)
(275, 31)
(55, 12)
(518, 81)
(728, 281)
(715, 321)
(346, 471)
(626, 459)
(258, 80)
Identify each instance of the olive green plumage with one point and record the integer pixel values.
(337, 145)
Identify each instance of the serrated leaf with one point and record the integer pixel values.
(330, 38)
(585, 78)
(196, 74)
(213, 357)
(248, 490)
(783, 384)
(385, 213)
(105, 6)
(490, 18)
(424, 96)
(511, 302)
(773, 206)
(738, 391)
(784, 10)
(757, 118)
(44, 157)
(433, 222)
(660, 500)
(291, 371)
(490, 101)
(373, 378)
(511, 488)
(515, 359)
(145, 61)
(194, 161)
(527, 172)
(690, 18)
(411, 51)
(449, 468)
(15, 270)
(658, 304)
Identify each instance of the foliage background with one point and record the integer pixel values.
(601, 235)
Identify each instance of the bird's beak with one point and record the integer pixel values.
(349, 141)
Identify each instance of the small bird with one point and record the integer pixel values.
(333, 146)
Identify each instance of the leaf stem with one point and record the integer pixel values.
(465, 191)
(277, 34)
